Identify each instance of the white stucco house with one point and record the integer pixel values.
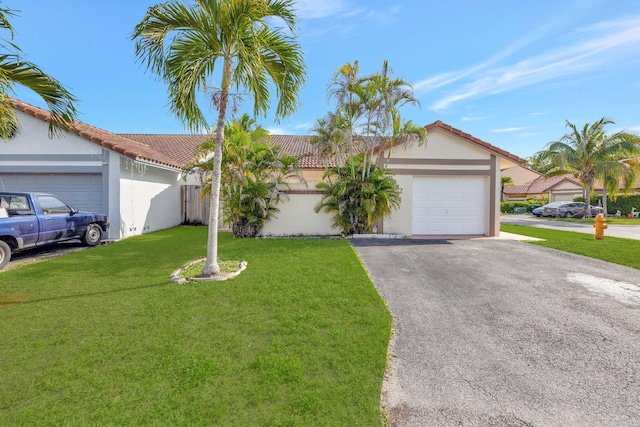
(92, 169)
(450, 185)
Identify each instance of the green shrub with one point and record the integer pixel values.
(622, 204)
(507, 207)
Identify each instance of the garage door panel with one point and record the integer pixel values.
(449, 205)
(82, 191)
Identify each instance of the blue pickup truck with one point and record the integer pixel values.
(34, 219)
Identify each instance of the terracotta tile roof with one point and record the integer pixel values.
(127, 147)
(177, 150)
(183, 146)
(439, 125)
(180, 147)
(540, 185)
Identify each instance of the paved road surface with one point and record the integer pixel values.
(615, 230)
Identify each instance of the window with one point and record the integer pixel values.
(53, 205)
(14, 203)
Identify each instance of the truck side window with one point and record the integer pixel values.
(14, 203)
(53, 205)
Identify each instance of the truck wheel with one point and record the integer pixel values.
(93, 235)
(5, 254)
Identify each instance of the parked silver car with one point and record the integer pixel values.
(548, 209)
(570, 209)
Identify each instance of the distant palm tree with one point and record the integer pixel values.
(328, 138)
(15, 71)
(242, 40)
(590, 154)
(504, 181)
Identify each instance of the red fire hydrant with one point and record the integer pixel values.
(600, 225)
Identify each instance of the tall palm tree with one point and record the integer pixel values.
(590, 154)
(241, 40)
(15, 71)
(345, 89)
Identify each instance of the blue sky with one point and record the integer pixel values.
(507, 72)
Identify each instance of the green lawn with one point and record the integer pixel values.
(101, 337)
(611, 249)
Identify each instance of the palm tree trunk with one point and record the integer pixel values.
(211, 267)
(586, 210)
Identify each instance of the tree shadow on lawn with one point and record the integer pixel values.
(398, 242)
(7, 300)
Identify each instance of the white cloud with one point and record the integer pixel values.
(305, 126)
(597, 48)
(504, 130)
(344, 9)
(313, 9)
(277, 131)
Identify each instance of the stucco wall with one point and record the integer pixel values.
(400, 221)
(565, 191)
(520, 175)
(33, 138)
(149, 198)
(441, 145)
(297, 217)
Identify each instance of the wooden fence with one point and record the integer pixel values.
(194, 210)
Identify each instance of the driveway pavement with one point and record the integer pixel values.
(616, 230)
(505, 333)
(41, 253)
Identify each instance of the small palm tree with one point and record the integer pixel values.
(253, 173)
(504, 181)
(241, 41)
(328, 138)
(590, 154)
(15, 71)
(357, 203)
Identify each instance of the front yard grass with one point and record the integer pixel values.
(101, 337)
(611, 249)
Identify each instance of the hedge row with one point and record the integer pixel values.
(622, 203)
(507, 207)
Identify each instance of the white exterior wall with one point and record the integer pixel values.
(33, 138)
(401, 220)
(565, 191)
(149, 198)
(520, 175)
(297, 217)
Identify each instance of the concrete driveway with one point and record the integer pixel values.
(505, 333)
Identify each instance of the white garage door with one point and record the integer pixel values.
(83, 191)
(450, 205)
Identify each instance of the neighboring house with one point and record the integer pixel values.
(450, 185)
(92, 169)
(520, 174)
(556, 189)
